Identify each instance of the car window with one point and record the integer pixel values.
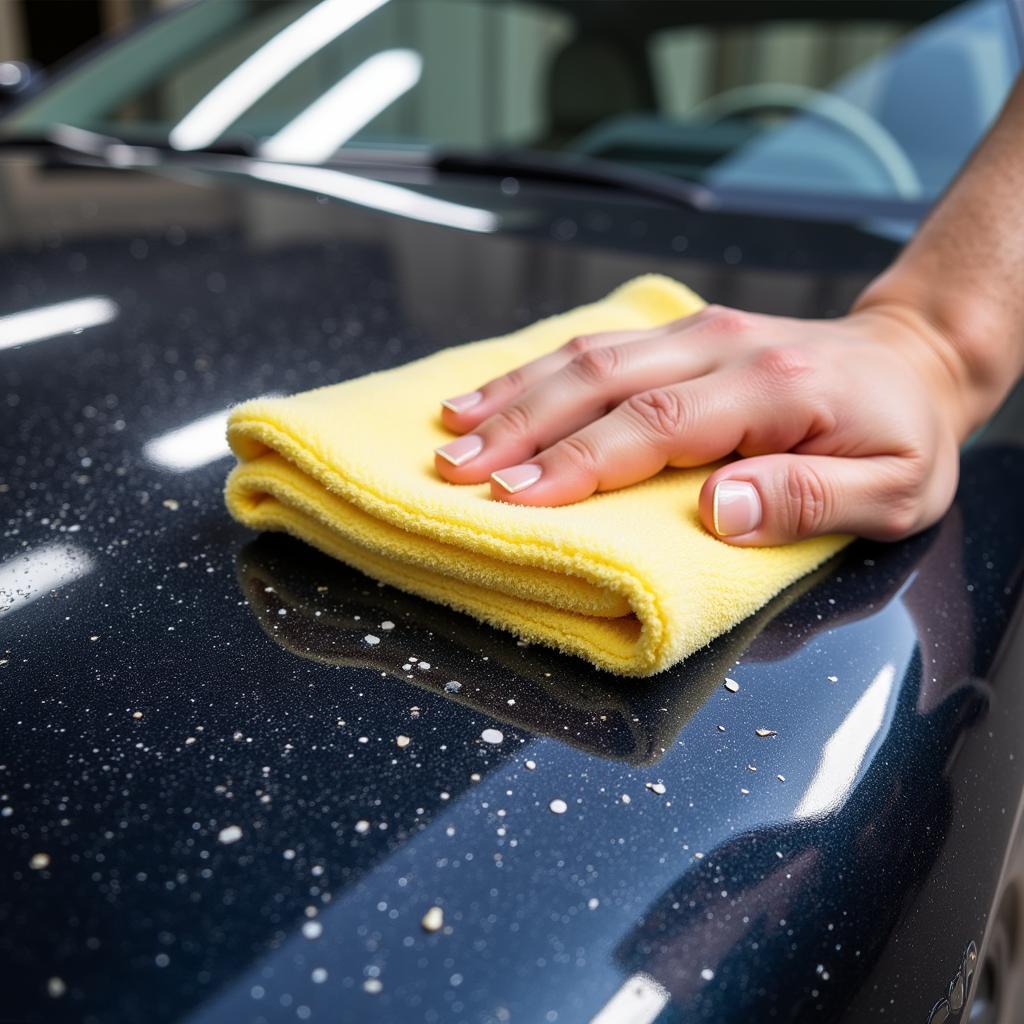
(851, 97)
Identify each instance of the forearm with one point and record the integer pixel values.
(962, 276)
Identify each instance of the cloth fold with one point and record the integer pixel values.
(629, 580)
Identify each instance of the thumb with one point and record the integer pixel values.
(778, 499)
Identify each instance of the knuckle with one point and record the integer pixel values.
(514, 380)
(514, 420)
(579, 453)
(660, 412)
(598, 365)
(725, 320)
(580, 344)
(810, 501)
(784, 365)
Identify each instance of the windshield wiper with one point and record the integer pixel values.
(109, 148)
(578, 170)
(522, 164)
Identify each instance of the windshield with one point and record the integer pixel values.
(858, 98)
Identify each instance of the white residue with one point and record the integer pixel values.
(228, 835)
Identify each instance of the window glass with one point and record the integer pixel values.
(862, 98)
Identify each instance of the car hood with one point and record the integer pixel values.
(210, 809)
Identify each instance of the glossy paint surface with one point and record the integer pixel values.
(208, 808)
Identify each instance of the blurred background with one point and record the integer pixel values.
(540, 82)
(856, 99)
(46, 31)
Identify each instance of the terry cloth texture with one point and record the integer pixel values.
(629, 580)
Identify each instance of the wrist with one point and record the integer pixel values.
(955, 344)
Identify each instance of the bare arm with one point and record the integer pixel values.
(963, 272)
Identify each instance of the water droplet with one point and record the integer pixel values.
(229, 834)
(433, 920)
(373, 986)
(312, 929)
(319, 975)
(707, 974)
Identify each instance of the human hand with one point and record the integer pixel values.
(842, 426)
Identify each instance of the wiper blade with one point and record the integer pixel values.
(579, 170)
(110, 148)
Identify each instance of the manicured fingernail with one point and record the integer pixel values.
(517, 478)
(462, 449)
(460, 403)
(736, 508)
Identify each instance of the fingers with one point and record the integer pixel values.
(463, 412)
(687, 424)
(777, 499)
(583, 390)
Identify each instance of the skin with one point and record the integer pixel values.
(851, 425)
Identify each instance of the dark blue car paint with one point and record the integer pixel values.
(821, 873)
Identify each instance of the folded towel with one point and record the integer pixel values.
(629, 580)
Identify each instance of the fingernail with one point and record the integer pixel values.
(462, 449)
(736, 508)
(460, 403)
(517, 478)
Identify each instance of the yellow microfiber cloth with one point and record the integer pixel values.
(629, 580)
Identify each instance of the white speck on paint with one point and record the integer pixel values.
(492, 736)
(371, 639)
(433, 920)
(312, 929)
(230, 834)
(558, 806)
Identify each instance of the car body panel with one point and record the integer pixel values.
(168, 676)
